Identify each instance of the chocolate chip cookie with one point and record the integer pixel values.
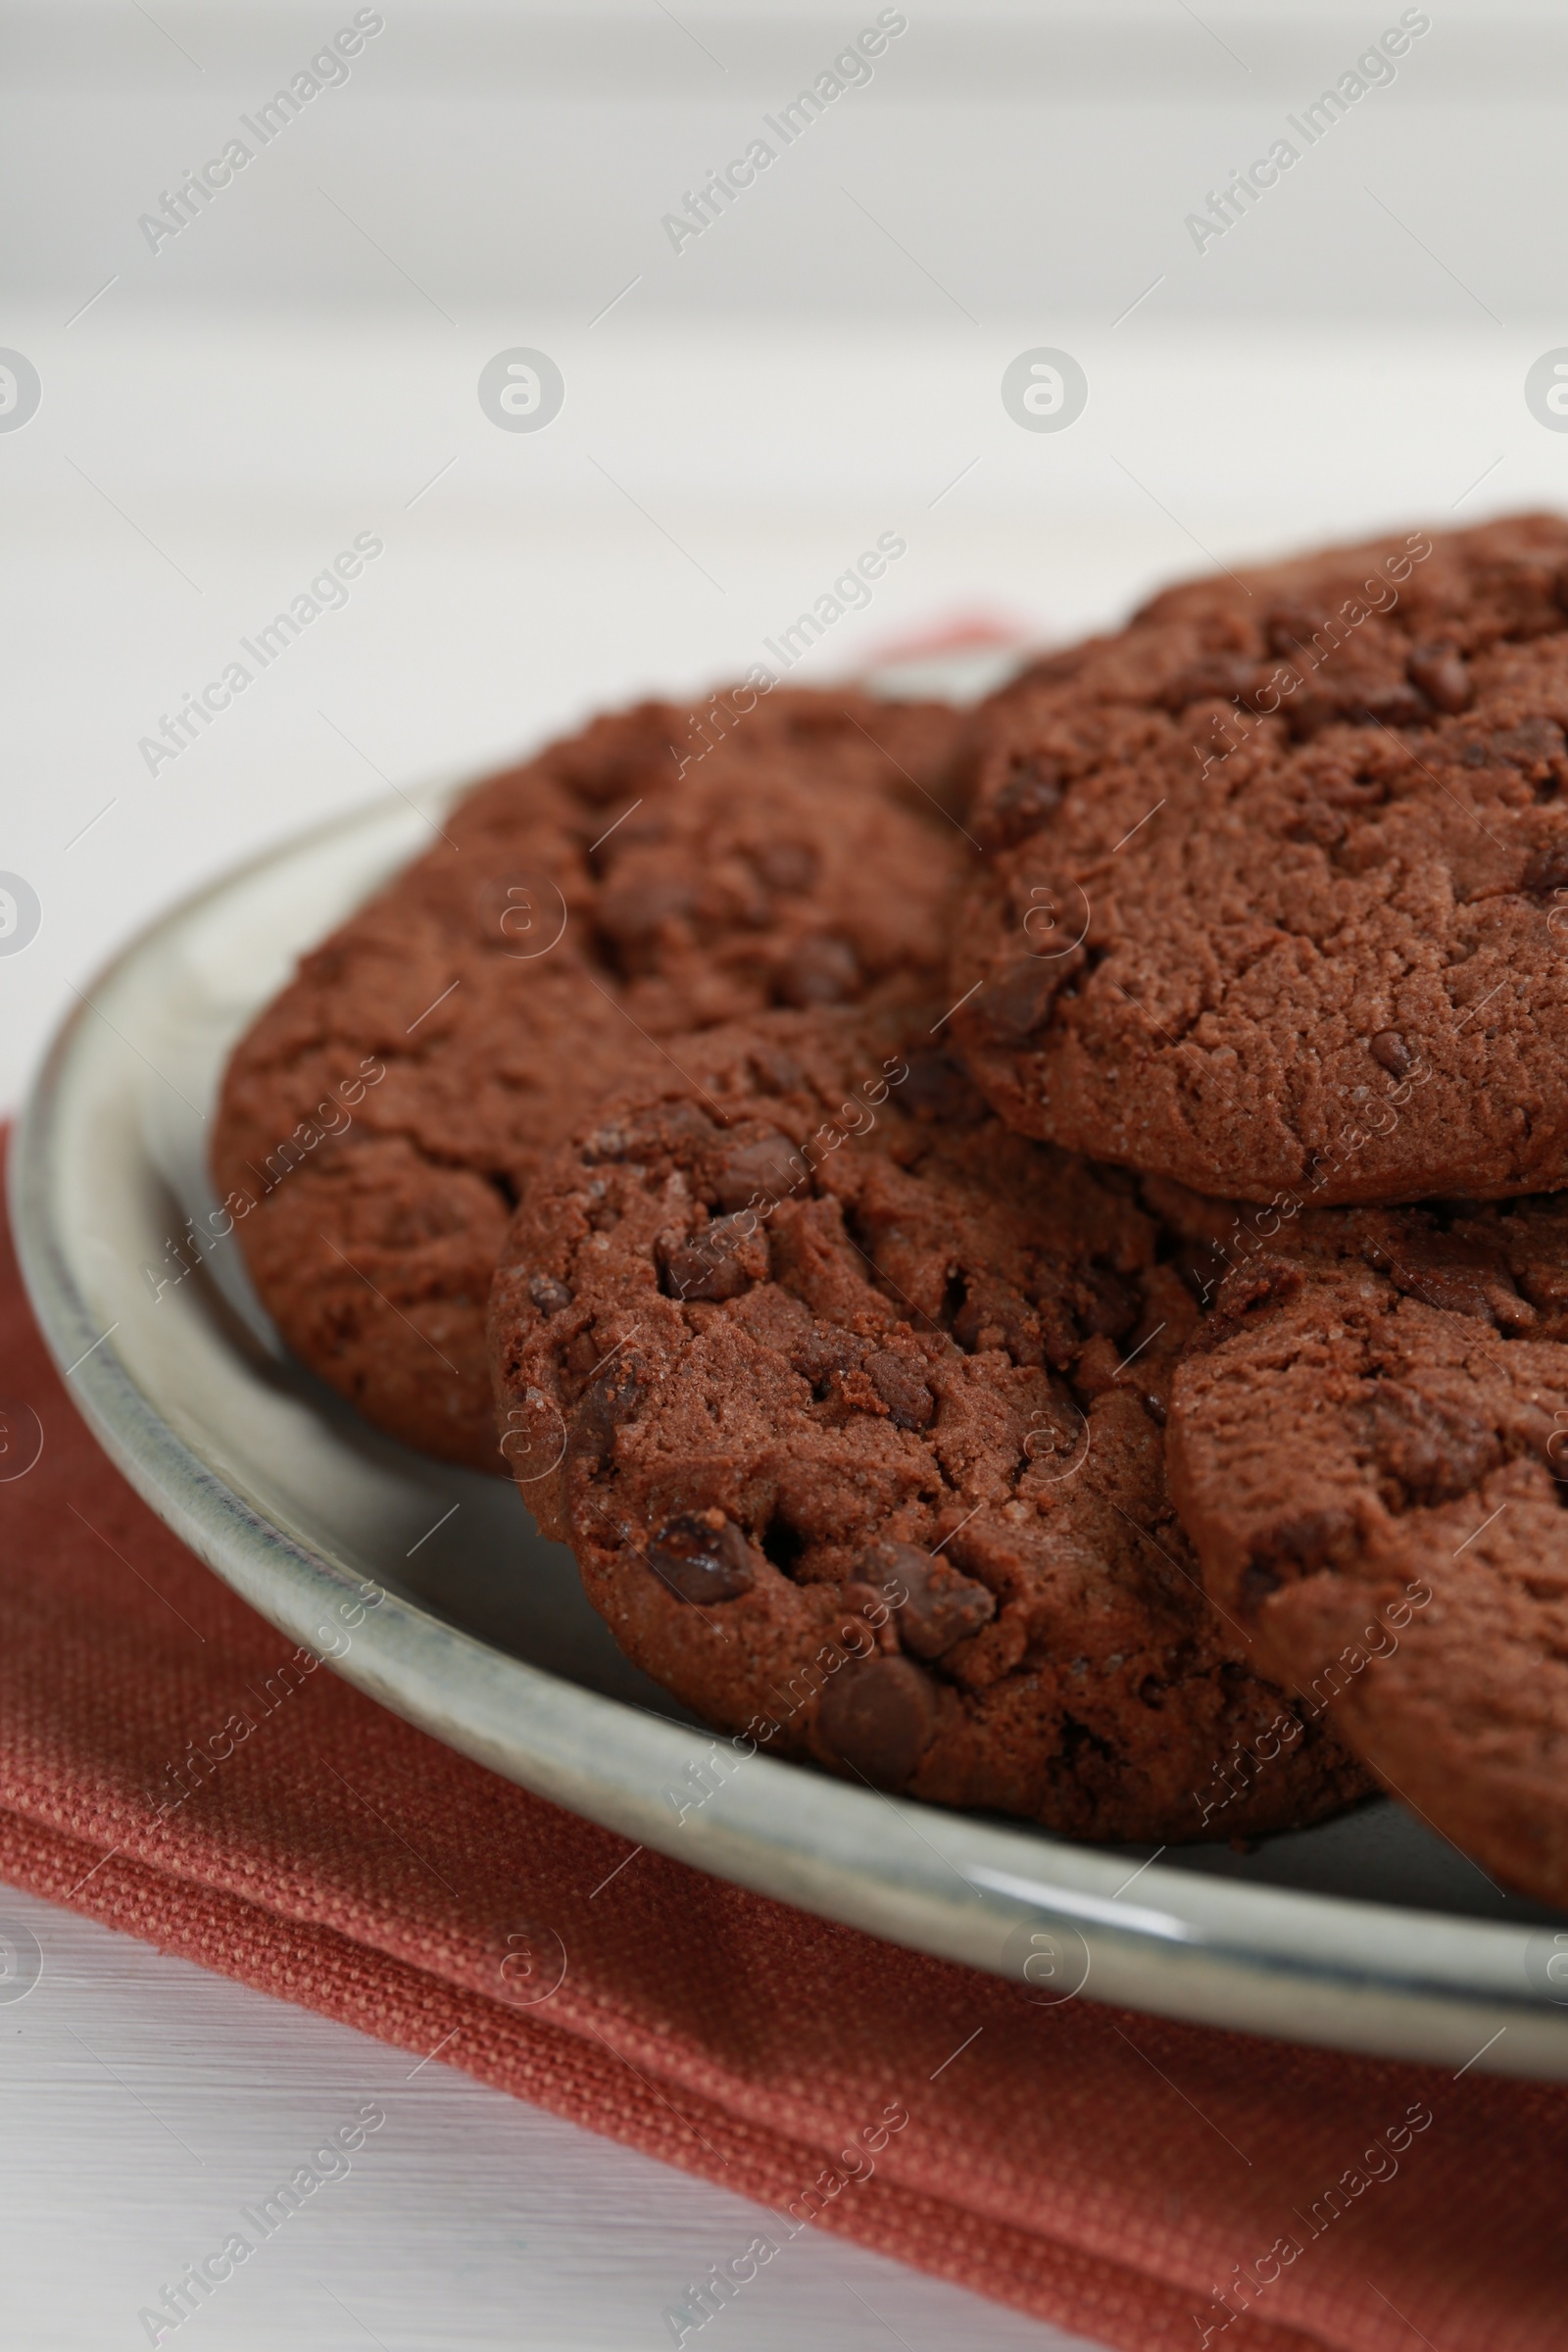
(850, 1404)
(1368, 1445)
(379, 1121)
(1276, 892)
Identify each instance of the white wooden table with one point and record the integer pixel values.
(149, 2108)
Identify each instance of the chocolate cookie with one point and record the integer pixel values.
(1276, 897)
(850, 1402)
(1369, 1447)
(379, 1121)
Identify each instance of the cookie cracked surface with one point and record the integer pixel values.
(850, 1404)
(380, 1120)
(1276, 895)
(1367, 1446)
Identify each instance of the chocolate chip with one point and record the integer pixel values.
(1303, 1545)
(1392, 1054)
(786, 864)
(1213, 677)
(1441, 674)
(634, 911)
(1359, 793)
(1310, 714)
(820, 971)
(709, 1264)
(1536, 746)
(768, 1165)
(1200, 1269)
(1319, 823)
(1546, 870)
(630, 831)
(1291, 628)
(777, 1071)
(826, 1352)
(909, 1402)
(877, 1718)
(1434, 1451)
(1258, 1583)
(940, 1089)
(625, 831)
(611, 1400)
(548, 1294)
(994, 1316)
(1015, 1006)
(1463, 1278)
(974, 1317)
(1106, 1306)
(661, 1127)
(896, 1569)
(702, 1556)
(1020, 805)
(1244, 1291)
(810, 725)
(1353, 705)
(1533, 744)
(601, 771)
(940, 1607)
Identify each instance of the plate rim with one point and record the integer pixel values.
(1210, 1950)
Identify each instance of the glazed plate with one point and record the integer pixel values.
(1371, 1934)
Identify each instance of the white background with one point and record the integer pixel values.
(823, 365)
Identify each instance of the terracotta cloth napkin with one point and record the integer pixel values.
(1099, 2167)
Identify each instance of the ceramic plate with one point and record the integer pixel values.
(1370, 1934)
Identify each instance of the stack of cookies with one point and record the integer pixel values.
(1022, 1249)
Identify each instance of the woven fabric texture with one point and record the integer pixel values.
(1115, 2173)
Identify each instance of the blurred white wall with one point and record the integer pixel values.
(301, 363)
(1036, 154)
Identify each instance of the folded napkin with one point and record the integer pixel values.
(167, 1767)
